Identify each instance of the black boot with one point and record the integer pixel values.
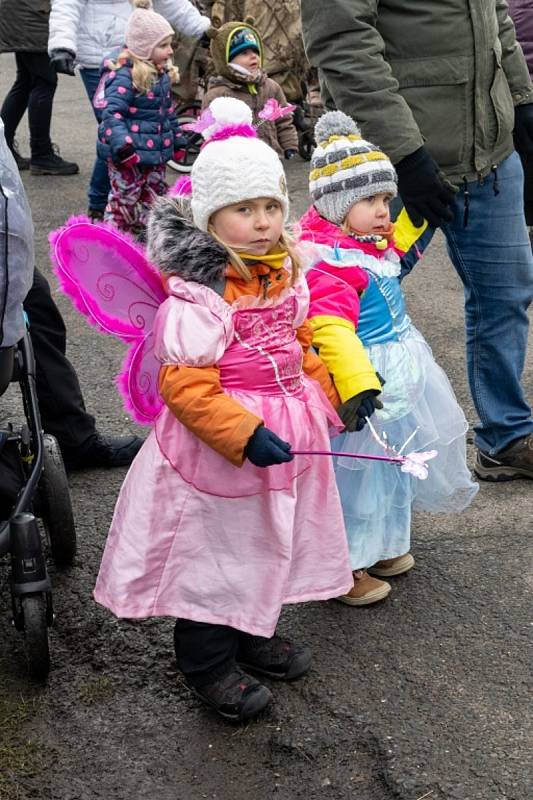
(277, 658)
(235, 696)
(52, 164)
(21, 162)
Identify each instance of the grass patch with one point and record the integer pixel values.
(19, 755)
(96, 691)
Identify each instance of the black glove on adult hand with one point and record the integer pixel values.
(523, 129)
(289, 154)
(63, 61)
(424, 193)
(354, 410)
(205, 38)
(264, 448)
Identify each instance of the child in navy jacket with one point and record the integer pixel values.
(139, 130)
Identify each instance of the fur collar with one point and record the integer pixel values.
(177, 247)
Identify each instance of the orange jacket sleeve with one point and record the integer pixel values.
(196, 398)
(314, 367)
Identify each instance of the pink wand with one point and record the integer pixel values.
(390, 459)
(412, 463)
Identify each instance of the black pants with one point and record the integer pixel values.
(205, 652)
(34, 89)
(61, 403)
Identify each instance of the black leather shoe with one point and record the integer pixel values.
(52, 164)
(103, 451)
(21, 162)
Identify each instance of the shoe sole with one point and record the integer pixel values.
(367, 600)
(244, 715)
(297, 670)
(404, 565)
(43, 171)
(501, 474)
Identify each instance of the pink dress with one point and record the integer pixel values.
(194, 536)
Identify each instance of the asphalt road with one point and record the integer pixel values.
(426, 695)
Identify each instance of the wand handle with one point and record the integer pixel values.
(390, 459)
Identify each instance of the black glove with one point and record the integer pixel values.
(290, 154)
(523, 129)
(205, 38)
(63, 61)
(354, 410)
(424, 192)
(264, 448)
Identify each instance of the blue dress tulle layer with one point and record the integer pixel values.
(377, 498)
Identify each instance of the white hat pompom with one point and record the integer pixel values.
(230, 111)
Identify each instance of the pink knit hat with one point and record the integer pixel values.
(145, 29)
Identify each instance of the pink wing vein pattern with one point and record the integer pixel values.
(109, 280)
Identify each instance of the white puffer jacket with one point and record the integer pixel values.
(91, 28)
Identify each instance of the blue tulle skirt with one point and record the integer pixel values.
(377, 498)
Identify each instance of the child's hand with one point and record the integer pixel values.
(289, 154)
(126, 156)
(264, 448)
(354, 411)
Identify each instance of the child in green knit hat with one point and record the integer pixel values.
(237, 52)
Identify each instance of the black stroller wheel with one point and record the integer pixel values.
(34, 613)
(186, 114)
(56, 507)
(189, 151)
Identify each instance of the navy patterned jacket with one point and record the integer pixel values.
(146, 122)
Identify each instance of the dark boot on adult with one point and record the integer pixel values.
(51, 163)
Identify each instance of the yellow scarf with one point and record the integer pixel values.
(274, 260)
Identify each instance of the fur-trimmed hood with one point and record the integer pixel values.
(176, 247)
(219, 49)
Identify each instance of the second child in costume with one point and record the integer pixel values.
(352, 268)
(139, 130)
(237, 53)
(217, 524)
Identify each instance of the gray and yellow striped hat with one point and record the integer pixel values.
(345, 168)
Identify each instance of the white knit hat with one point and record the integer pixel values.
(233, 165)
(345, 168)
(145, 29)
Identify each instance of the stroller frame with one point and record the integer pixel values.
(20, 537)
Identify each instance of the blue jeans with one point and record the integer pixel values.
(493, 258)
(99, 183)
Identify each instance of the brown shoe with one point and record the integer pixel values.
(393, 566)
(365, 590)
(516, 461)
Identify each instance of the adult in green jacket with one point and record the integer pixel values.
(442, 88)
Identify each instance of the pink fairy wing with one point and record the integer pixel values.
(107, 277)
(138, 381)
(109, 280)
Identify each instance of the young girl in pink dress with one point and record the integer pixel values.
(217, 523)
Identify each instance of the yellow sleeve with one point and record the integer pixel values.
(344, 355)
(405, 233)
